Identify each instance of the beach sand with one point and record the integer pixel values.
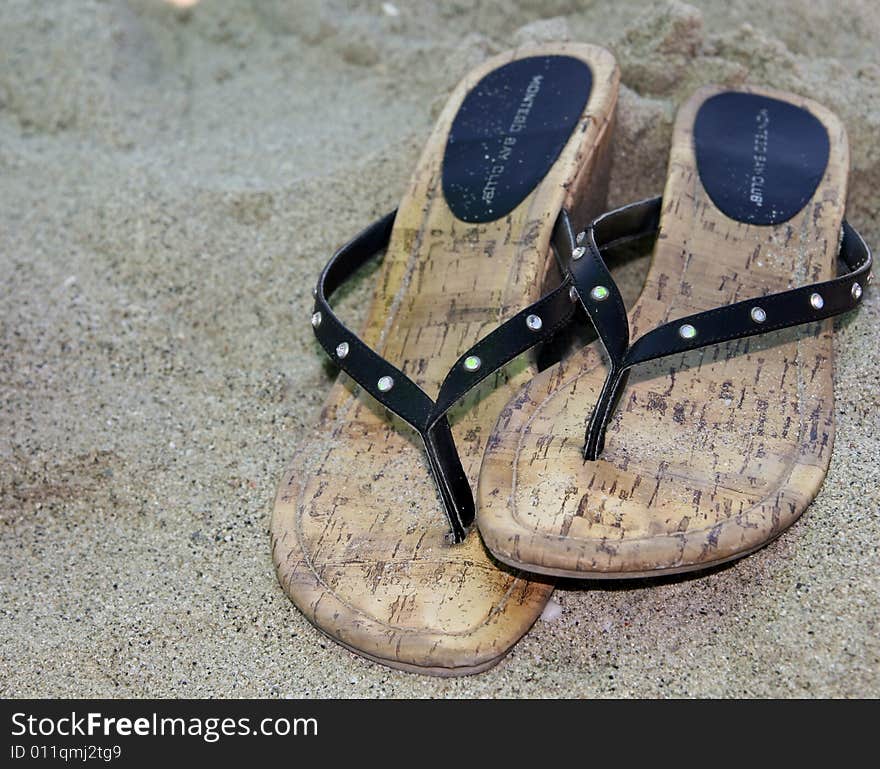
(172, 182)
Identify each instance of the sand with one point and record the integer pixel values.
(172, 181)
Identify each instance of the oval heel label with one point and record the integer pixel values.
(509, 131)
(760, 159)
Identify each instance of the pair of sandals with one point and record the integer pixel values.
(681, 440)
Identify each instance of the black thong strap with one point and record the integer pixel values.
(604, 306)
(395, 390)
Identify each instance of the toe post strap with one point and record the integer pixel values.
(601, 300)
(609, 397)
(451, 480)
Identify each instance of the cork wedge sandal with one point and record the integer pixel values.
(720, 438)
(358, 532)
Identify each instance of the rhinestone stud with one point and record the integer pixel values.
(870, 279)
(534, 323)
(856, 291)
(817, 301)
(758, 314)
(314, 292)
(384, 384)
(316, 319)
(599, 293)
(342, 350)
(580, 236)
(573, 294)
(472, 363)
(578, 253)
(687, 331)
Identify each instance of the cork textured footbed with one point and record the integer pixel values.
(711, 453)
(358, 531)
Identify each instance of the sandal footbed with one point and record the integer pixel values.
(358, 534)
(711, 454)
